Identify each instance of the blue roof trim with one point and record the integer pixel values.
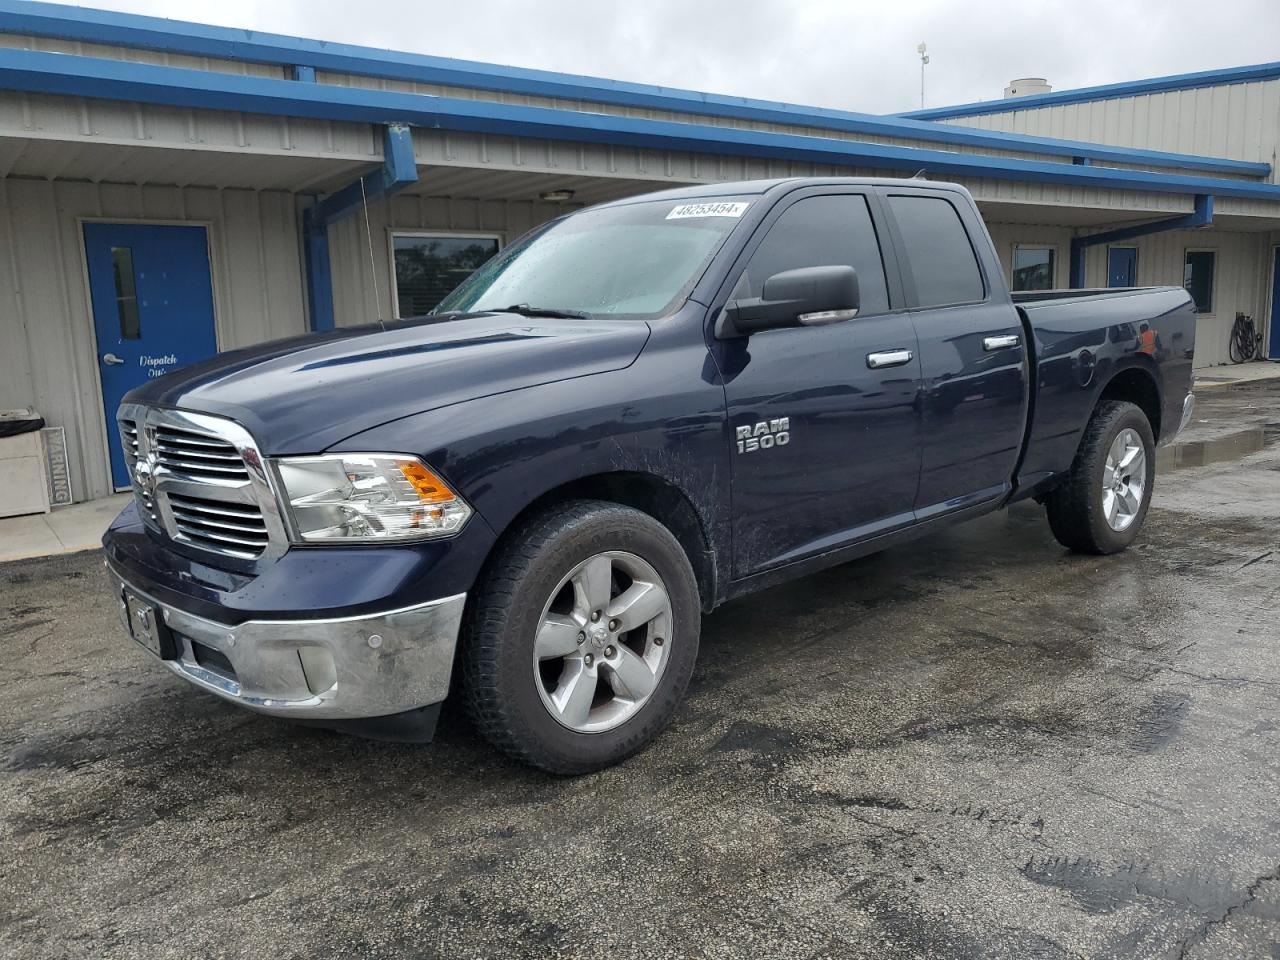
(1110, 91)
(154, 33)
(70, 75)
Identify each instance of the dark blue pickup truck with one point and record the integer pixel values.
(633, 414)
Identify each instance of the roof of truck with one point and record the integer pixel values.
(738, 188)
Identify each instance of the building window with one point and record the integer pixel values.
(1197, 277)
(429, 266)
(1033, 268)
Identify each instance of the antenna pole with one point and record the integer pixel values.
(924, 61)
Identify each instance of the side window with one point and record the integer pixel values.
(821, 232)
(939, 251)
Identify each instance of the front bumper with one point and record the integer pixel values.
(343, 668)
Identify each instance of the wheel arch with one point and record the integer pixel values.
(648, 493)
(1139, 385)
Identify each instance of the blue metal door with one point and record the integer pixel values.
(1273, 331)
(152, 299)
(1122, 266)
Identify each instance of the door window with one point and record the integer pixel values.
(939, 252)
(817, 232)
(126, 293)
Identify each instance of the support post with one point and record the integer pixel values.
(315, 241)
(398, 170)
(1201, 216)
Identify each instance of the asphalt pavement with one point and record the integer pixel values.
(976, 746)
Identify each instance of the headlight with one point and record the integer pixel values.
(364, 496)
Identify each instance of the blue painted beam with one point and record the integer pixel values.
(1108, 91)
(315, 245)
(1202, 216)
(66, 74)
(108, 27)
(398, 170)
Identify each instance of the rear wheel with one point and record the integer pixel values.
(1103, 503)
(582, 637)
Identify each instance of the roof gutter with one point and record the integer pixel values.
(71, 75)
(1109, 91)
(201, 40)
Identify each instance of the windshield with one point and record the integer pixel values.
(636, 260)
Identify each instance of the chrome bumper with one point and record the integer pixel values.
(1188, 410)
(338, 669)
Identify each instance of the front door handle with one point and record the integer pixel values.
(111, 360)
(1001, 343)
(888, 358)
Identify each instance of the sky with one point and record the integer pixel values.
(850, 55)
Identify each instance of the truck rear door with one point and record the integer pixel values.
(974, 382)
(826, 442)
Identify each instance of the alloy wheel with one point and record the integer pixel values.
(1124, 480)
(603, 642)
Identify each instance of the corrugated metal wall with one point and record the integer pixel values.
(357, 276)
(1241, 275)
(1240, 121)
(48, 356)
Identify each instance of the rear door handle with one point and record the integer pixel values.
(1001, 343)
(888, 358)
(111, 360)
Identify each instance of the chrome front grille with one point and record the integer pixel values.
(201, 481)
(219, 524)
(132, 450)
(198, 455)
(129, 436)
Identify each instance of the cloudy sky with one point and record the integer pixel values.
(850, 54)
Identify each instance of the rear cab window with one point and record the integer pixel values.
(939, 252)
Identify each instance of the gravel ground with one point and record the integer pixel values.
(975, 746)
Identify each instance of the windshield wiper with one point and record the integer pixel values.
(527, 311)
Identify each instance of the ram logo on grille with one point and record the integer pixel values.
(200, 480)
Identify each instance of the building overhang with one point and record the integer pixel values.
(39, 72)
(300, 58)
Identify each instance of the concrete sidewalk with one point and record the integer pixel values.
(1231, 374)
(65, 530)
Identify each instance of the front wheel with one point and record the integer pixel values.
(1103, 503)
(581, 638)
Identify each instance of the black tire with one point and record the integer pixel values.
(1075, 509)
(499, 682)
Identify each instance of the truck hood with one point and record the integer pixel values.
(305, 394)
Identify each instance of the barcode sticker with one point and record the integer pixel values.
(726, 209)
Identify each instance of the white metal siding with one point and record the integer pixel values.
(1240, 121)
(355, 276)
(48, 356)
(1241, 272)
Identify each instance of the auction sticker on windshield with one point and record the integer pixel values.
(726, 209)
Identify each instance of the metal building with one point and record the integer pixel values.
(169, 190)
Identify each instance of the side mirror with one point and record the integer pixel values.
(808, 297)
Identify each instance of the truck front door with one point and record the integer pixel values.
(825, 442)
